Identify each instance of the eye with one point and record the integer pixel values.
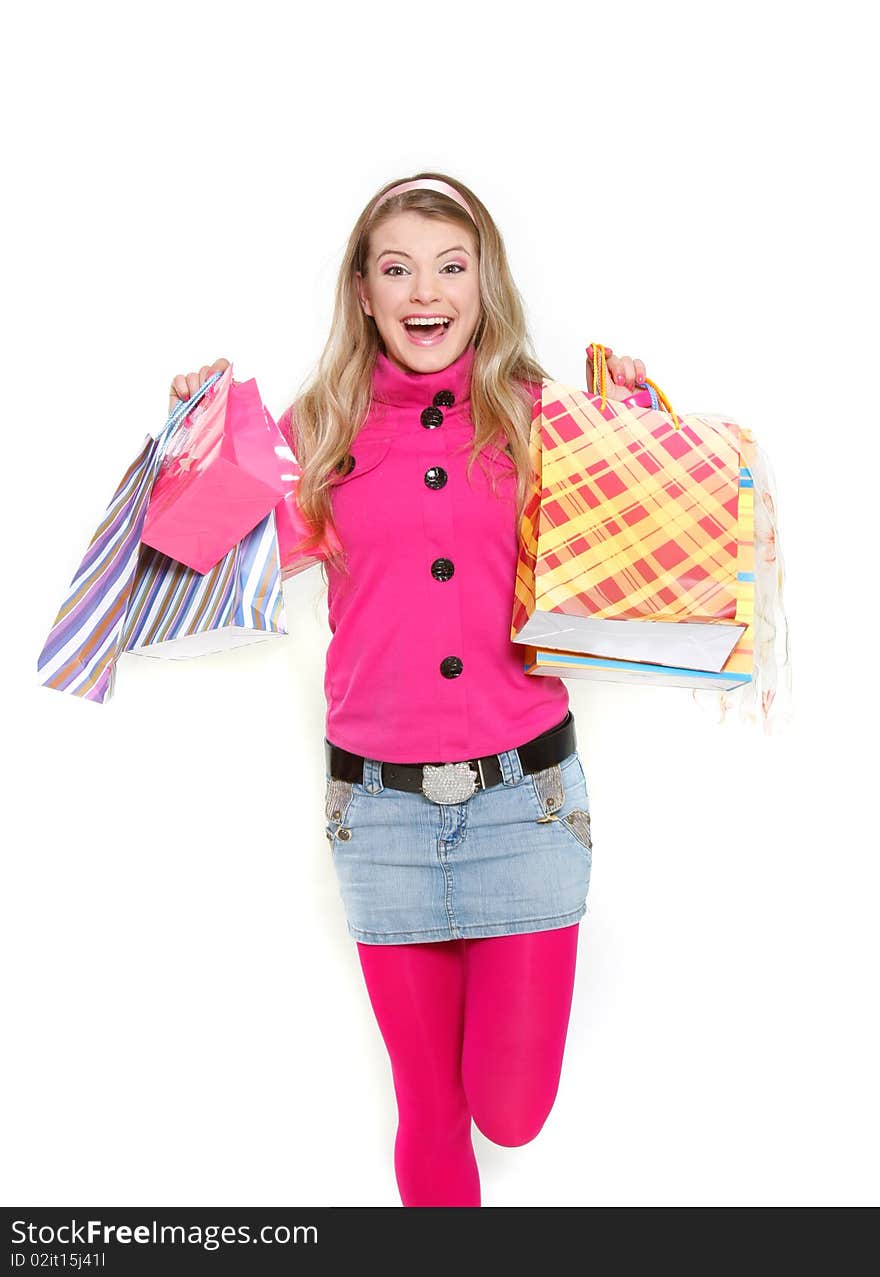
(457, 265)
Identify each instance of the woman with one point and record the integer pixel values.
(456, 803)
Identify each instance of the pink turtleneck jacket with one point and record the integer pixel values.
(420, 666)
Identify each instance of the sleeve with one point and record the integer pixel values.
(285, 425)
(290, 524)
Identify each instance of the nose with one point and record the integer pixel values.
(424, 287)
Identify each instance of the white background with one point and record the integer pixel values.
(186, 1018)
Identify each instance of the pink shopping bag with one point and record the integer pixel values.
(220, 475)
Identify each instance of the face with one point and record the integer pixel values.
(420, 266)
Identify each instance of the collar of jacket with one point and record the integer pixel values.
(391, 385)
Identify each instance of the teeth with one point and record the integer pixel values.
(414, 323)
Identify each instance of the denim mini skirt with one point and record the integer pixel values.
(511, 858)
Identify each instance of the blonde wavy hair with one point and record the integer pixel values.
(337, 396)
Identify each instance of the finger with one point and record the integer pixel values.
(591, 350)
(208, 370)
(178, 392)
(192, 381)
(617, 370)
(625, 371)
(641, 374)
(612, 390)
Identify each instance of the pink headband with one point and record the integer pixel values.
(427, 184)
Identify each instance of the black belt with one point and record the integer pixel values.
(439, 780)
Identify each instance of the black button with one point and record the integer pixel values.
(451, 666)
(431, 418)
(436, 477)
(442, 569)
(443, 399)
(346, 465)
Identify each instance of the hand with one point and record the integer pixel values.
(623, 373)
(187, 383)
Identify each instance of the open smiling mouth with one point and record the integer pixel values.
(427, 334)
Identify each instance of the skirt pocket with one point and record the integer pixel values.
(338, 799)
(560, 794)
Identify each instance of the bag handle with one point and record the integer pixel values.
(182, 410)
(600, 382)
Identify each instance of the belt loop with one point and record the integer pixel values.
(511, 767)
(372, 775)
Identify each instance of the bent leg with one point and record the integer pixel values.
(517, 1004)
(417, 995)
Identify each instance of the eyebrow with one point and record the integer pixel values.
(456, 248)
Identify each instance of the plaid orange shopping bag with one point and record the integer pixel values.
(637, 546)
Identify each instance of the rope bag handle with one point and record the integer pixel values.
(600, 383)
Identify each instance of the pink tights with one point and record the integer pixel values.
(474, 1029)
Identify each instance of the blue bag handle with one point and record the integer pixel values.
(183, 409)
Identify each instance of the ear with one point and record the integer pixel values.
(362, 293)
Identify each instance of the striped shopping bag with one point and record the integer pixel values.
(128, 597)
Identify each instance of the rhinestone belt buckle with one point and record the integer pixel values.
(448, 782)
